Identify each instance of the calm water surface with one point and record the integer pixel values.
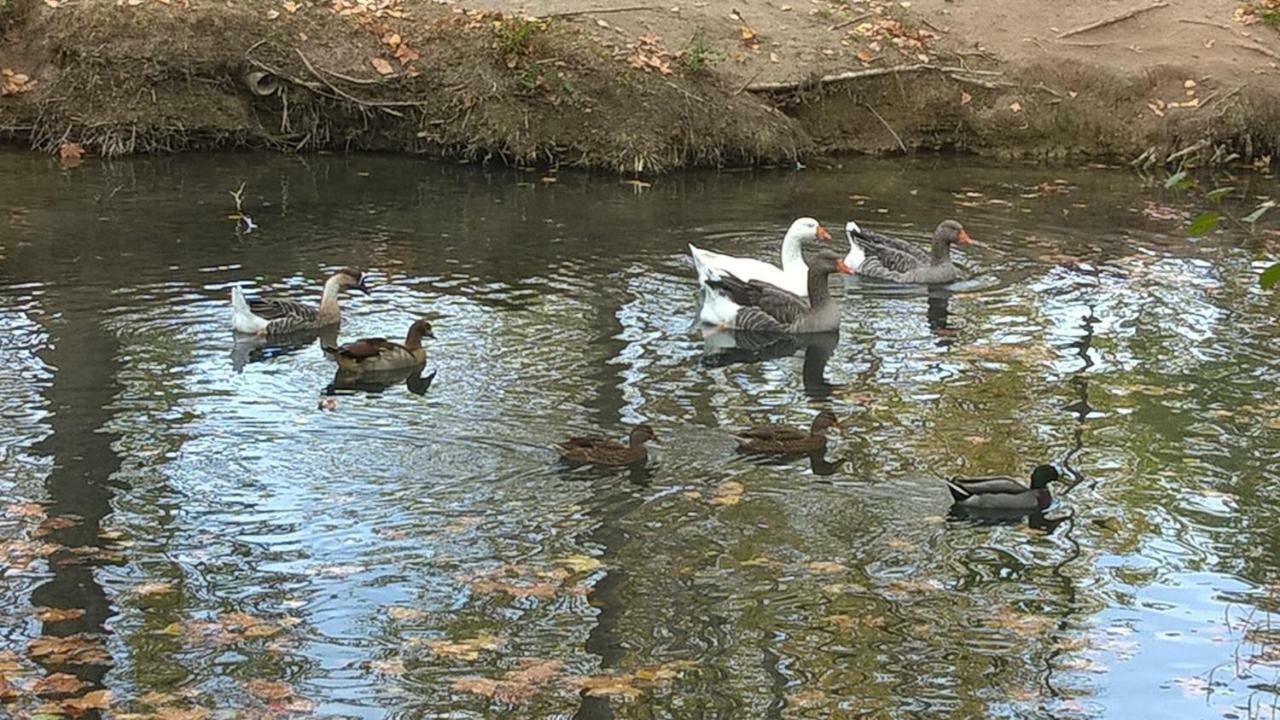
(187, 528)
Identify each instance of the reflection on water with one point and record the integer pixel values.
(207, 536)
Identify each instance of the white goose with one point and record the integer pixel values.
(792, 276)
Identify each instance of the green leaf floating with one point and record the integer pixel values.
(1217, 194)
(1270, 277)
(1203, 224)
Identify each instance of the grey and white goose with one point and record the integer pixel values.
(900, 261)
(762, 307)
(281, 317)
(1004, 493)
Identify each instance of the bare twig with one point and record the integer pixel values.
(1210, 23)
(1086, 44)
(354, 80)
(1258, 49)
(1046, 88)
(932, 27)
(887, 127)
(1199, 145)
(384, 106)
(862, 74)
(847, 23)
(747, 84)
(1113, 19)
(601, 11)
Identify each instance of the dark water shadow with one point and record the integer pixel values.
(741, 347)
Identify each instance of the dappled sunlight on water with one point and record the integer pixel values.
(234, 529)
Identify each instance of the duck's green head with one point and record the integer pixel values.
(1043, 475)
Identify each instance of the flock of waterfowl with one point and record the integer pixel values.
(735, 293)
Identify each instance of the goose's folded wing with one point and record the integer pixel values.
(781, 305)
(269, 309)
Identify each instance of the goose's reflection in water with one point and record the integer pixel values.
(939, 315)
(743, 347)
(257, 348)
(377, 382)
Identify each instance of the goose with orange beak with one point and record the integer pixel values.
(899, 261)
(791, 277)
(761, 307)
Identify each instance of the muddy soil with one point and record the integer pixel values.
(639, 88)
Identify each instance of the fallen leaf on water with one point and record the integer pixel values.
(405, 614)
(618, 686)
(388, 667)
(826, 567)
(69, 650)
(96, 700)
(7, 691)
(865, 57)
(55, 615)
(55, 523)
(748, 36)
(153, 588)
(174, 713)
(514, 686)
(291, 6)
(1015, 106)
(728, 493)
(57, 684)
(1025, 624)
(381, 65)
(965, 98)
(468, 649)
(269, 691)
(580, 563)
(25, 509)
(271, 14)
(898, 544)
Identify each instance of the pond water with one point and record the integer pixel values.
(185, 525)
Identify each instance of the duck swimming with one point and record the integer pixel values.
(600, 451)
(1004, 493)
(380, 354)
(281, 317)
(784, 440)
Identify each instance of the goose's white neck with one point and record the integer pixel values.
(792, 257)
(329, 299)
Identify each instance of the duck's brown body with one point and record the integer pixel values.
(381, 355)
(784, 440)
(601, 451)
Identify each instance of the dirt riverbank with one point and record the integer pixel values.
(643, 88)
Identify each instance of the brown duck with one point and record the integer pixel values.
(599, 451)
(784, 440)
(380, 354)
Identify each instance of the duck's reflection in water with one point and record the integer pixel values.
(1036, 519)
(377, 382)
(256, 348)
(743, 347)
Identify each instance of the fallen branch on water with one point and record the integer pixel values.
(868, 73)
(1112, 20)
